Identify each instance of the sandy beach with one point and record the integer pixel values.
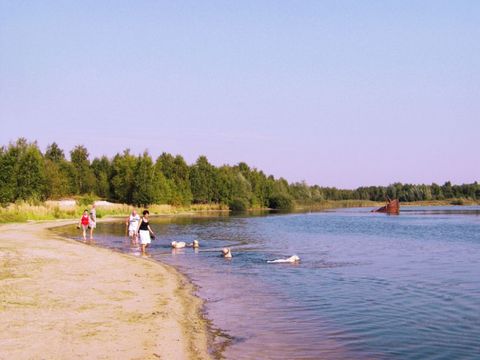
(60, 299)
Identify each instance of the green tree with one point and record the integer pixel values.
(146, 189)
(232, 187)
(83, 176)
(301, 192)
(203, 178)
(54, 153)
(31, 175)
(447, 190)
(260, 186)
(57, 184)
(123, 177)
(136, 180)
(177, 175)
(437, 193)
(317, 193)
(22, 172)
(102, 169)
(281, 187)
(59, 173)
(8, 159)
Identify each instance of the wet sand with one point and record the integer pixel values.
(62, 299)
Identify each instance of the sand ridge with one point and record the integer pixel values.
(60, 299)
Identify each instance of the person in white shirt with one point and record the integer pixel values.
(92, 224)
(131, 225)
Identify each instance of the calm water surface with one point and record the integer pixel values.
(369, 286)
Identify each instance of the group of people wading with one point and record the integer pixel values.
(138, 227)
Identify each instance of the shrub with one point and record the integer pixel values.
(280, 202)
(86, 200)
(238, 205)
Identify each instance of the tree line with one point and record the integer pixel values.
(27, 173)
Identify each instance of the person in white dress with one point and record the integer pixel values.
(144, 231)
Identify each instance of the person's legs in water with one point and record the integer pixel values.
(133, 237)
(92, 227)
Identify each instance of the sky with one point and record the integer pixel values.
(334, 93)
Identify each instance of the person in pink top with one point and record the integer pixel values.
(84, 221)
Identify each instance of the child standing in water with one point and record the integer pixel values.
(84, 221)
(144, 231)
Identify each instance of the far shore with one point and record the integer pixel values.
(339, 204)
(62, 299)
(69, 209)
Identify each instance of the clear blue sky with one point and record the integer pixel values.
(337, 93)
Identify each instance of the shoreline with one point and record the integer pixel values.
(60, 298)
(55, 211)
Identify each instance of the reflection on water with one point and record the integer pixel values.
(368, 285)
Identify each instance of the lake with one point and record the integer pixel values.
(368, 286)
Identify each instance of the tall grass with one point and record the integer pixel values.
(455, 201)
(332, 204)
(23, 211)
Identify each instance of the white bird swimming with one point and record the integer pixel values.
(292, 259)
(178, 244)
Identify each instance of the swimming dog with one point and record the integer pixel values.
(292, 259)
(226, 253)
(177, 244)
(194, 244)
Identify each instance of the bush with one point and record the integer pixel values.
(238, 205)
(280, 202)
(86, 200)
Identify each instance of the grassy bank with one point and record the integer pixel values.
(448, 202)
(332, 204)
(23, 211)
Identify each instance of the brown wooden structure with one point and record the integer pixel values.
(392, 207)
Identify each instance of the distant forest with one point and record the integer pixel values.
(26, 173)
